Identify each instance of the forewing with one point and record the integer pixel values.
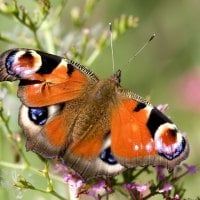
(45, 79)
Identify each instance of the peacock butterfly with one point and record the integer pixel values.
(96, 127)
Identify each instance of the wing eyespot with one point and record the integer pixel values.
(38, 116)
(107, 156)
(172, 155)
(9, 62)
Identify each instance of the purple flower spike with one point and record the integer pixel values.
(72, 178)
(192, 169)
(160, 173)
(97, 189)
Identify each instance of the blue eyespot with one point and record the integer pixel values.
(38, 115)
(9, 62)
(176, 153)
(106, 156)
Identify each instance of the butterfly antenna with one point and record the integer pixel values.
(134, 55)
(111, 46)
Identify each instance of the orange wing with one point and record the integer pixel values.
(45, 79)
(129, 133)
(142, 135)
(45, 129)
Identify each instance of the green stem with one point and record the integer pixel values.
(93, 57)
(57, 195)
(3, 38)
(53, 192)
(12, 166)
(48, 38)
(12, 139)
(175, 179)
(151, 195)
(38, 45)
(139, 172)
(45, 173)
(32, 169)
(48, 26)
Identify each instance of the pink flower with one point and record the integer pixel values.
(167, 187)
(77, 185)
(72, 178)
(176, 197)
(141, 188)
(97, 189)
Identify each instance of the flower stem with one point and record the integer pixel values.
(139, 172)
(32, 169)
(11, 138)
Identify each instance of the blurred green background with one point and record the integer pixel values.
(167, 70)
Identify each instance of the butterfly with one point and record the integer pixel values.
(94, 126)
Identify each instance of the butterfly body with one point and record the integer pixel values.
(95, 126)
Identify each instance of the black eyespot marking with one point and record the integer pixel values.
(173, 132)
(156, 119)
(27, 55)
(106, 156)
(176, 153)
(49, 62)
(139, 106)
(38, 116)
(70, 68)
(9, 61)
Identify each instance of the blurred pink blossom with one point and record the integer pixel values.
(176, 197)
(162, 107)
(188, 89)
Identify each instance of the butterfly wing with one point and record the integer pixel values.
(45, 79)
(92, 157)
(57, 117)
(65, 131)
(50, 89)
(68, 113)
(45, 129)
(143, 135)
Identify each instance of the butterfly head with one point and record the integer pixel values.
(117, 77)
